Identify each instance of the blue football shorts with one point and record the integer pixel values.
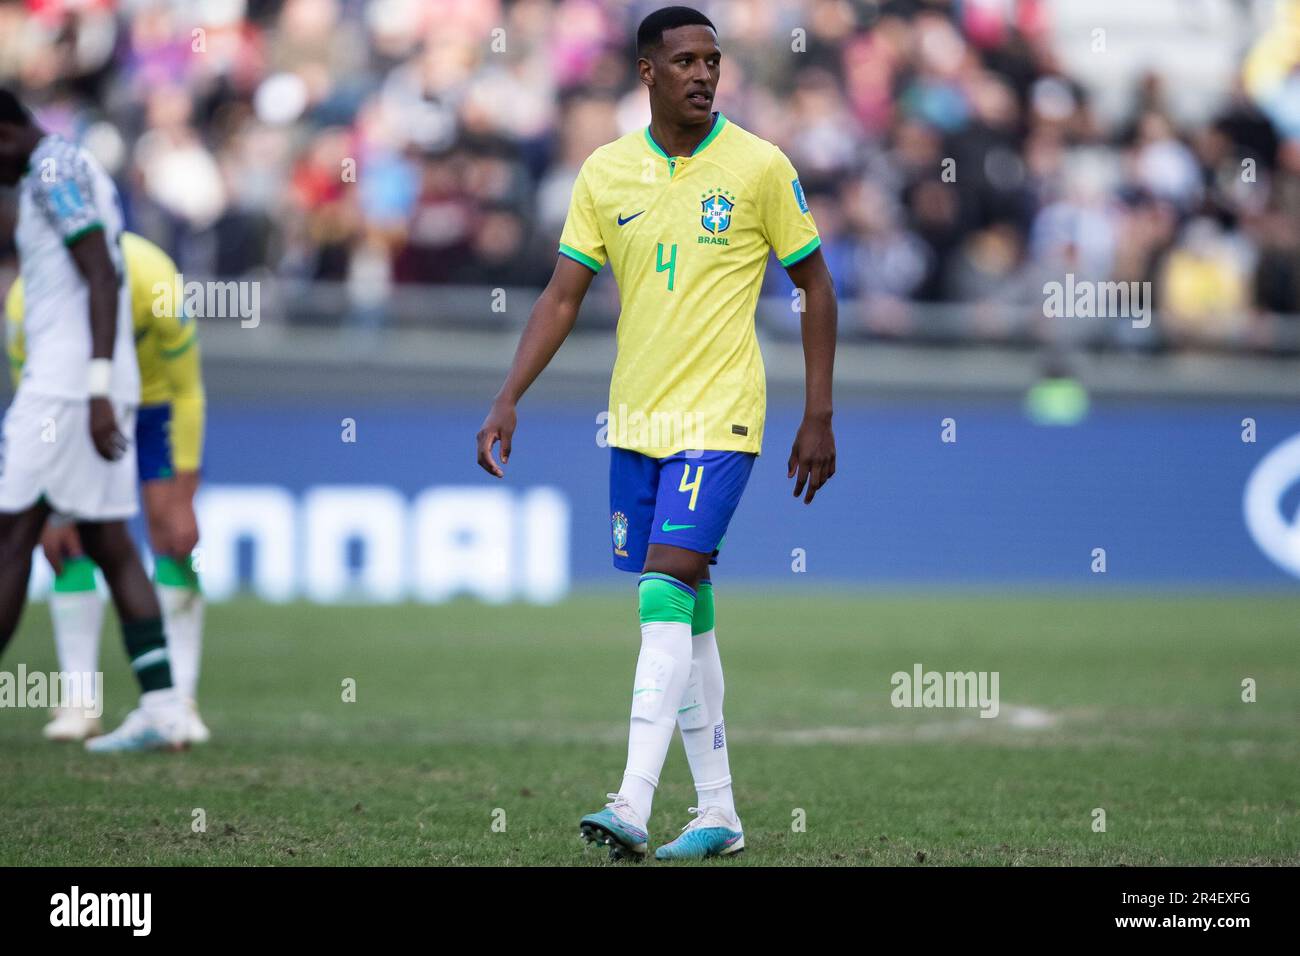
(153, 442)
(683, 500)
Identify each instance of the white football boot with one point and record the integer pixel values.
(71, 724)
(196, 731)
(711, 833)
(159, 723)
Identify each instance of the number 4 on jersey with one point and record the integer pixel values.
(670, 266)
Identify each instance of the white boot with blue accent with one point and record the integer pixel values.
(713, 832)
(159, 723)
(617, 827)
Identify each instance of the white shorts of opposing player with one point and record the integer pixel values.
(47, 450)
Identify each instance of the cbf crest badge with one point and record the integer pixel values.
(619, 522)
(715, 209)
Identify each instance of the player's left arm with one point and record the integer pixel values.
(178, 345)
(813, 454)
(789, 229)
(178, 342)
(15, 345)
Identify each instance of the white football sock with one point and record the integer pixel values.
(662, 671)
(704, 732)
(183, 617)
(77, 617)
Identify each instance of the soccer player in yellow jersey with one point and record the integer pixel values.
(168, 448)
(686, 213)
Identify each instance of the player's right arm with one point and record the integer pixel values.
(582, 254)
(548, 326)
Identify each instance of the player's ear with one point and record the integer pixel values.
(646, 71)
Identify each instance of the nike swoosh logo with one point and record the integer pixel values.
(624, 222)
(675, 527)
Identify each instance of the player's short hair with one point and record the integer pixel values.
(12, 110)
(651, 31)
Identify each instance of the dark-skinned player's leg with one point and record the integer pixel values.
(109, 545)
(689, 567)
(159, 722)
(19, 534)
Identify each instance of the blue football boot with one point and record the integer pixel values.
(711, 833)
(616, 827)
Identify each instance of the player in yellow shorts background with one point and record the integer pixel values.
(169, 449)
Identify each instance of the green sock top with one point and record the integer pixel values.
(172, 573)
(703, 619)
(78, 575)
(664, 598)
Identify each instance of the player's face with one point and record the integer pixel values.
(683, 73)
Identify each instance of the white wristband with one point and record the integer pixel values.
(100, 377)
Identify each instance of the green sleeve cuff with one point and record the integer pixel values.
(84, 231)
(582, 257)
(803, 252)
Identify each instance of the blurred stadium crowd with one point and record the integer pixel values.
(386, 142)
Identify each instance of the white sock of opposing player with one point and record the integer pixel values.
(662, 671)
(77, 611)
(182, 607)
(704, 731)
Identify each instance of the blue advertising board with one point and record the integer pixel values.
(386, 503)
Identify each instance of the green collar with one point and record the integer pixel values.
(719, 121)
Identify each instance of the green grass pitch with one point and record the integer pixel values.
(480, 734)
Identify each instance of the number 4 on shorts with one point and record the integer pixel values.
(694, 486)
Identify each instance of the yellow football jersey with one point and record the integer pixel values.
(687, 238)
(166, 347)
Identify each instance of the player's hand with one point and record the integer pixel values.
(812, 457)
(59, 544)
(499, 426)
(109, 442)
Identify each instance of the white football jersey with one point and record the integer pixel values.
(64, 194)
